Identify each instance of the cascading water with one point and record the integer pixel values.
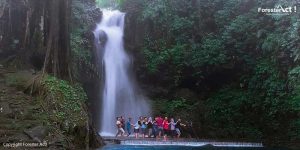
(119, 96)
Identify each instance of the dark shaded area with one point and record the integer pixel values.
(230, 69)
(36, 35)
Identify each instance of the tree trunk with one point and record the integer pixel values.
(34, 30)
(57, 57)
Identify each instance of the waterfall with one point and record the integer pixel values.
(120, 96)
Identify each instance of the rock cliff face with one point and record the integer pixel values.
(134, 35)
(85, 16)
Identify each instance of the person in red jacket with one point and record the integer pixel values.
(166, 128)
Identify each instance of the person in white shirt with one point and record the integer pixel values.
(119, 126)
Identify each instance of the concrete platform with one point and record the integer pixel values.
(177, 142)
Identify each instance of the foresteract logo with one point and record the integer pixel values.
(278, 10)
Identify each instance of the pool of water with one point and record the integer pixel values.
(142, 147)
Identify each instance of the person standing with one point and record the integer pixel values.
(155, 127)
(144, 127)
(150, 127)
(128, 126)
(123, 122)
(160, 126)
(166, 128)
(119, 127)
(178, 127)
(172, 127)
(136, 129)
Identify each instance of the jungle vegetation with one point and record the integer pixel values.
(233, 71)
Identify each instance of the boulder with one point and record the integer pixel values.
(95, 139)
(37, 133)
(5, 109)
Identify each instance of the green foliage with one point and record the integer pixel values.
(272, 43)
(240, 38)
(174, 55)
(175, 45)
(292, 42)
(81, 44)
(155, 9)
(109, 3)
(230, 113)
(77, 42)
(230, 10)
(268, 85)
(237, 59)
(173, 107)
(231, 110)
(178, 104)
(157, 56)
(294, 129)
(294, 102)
(65, 100)
(211, 52)
(294, 80)
(266, 79)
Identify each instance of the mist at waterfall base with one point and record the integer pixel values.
(120, 96)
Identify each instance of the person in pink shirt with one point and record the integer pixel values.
(160, 126)
(166, 128)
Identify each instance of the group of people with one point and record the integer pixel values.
(148, 127)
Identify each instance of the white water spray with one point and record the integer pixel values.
(120, 96)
